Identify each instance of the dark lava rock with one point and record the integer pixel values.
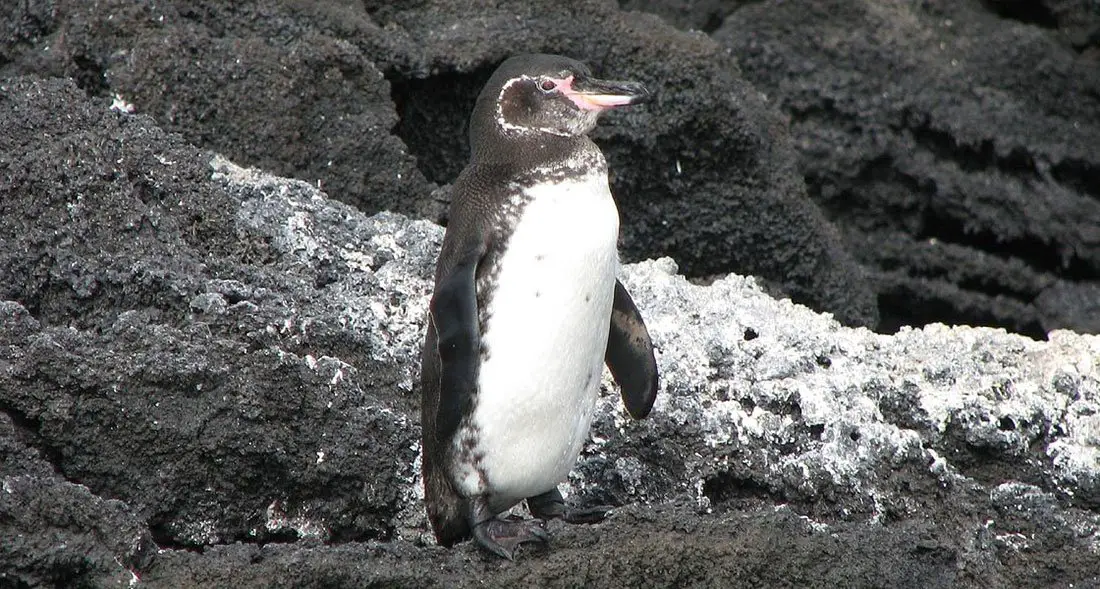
(705, 174)
(638, 547)
(699, 15)
(207, 379)
(951, 143)
(954, 143)
(276, 86)
(170, 357)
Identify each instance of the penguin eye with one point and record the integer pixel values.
(547, 85)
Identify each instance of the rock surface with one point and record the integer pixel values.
(313, 89)
(955, 145)
(207, 379)
(208, 373)
(947, 146)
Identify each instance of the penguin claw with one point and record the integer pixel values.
(551, 505)
(588, 515)
(503, 537)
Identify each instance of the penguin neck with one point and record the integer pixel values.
(539, 158)
(529, 151)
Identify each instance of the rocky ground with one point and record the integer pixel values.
(207, 372)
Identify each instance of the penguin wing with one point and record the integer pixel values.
(449, 370)
(630, 355)
(452, 350)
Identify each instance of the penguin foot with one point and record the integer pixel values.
(587, 515)
(551, 505)
(503, 537)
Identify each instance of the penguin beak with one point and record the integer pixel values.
(600, 95)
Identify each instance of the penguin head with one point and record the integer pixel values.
(545, 96)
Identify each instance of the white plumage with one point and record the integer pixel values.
(546, 335)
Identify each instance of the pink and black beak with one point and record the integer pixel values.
(599, 95)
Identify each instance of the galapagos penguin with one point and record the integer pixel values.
(526, 308)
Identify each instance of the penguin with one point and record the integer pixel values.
(526, 308)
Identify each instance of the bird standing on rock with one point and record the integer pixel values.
(527, 308)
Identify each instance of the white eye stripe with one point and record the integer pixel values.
(506, 126)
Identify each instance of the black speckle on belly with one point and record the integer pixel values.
(540, 257)
(469, 454)
(587, 297)
(538, 294)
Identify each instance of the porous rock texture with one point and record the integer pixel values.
(207, 379)
(208, 373)
(370, 101)
(955, 144)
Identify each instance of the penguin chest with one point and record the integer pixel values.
(545, 321)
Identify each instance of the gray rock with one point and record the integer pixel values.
(278, 435)
(312, 90)
(952, 143)
(948, 142)
(213, 426)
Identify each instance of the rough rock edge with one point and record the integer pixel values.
(973, 378)
(982, 377)
(724, 393)
(977, 378)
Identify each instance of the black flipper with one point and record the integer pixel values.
(630, 355)
(450, 363)
(454, 318)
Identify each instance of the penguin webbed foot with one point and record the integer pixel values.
(551, 505)
(503, 536)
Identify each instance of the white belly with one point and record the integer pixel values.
(546, 335)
